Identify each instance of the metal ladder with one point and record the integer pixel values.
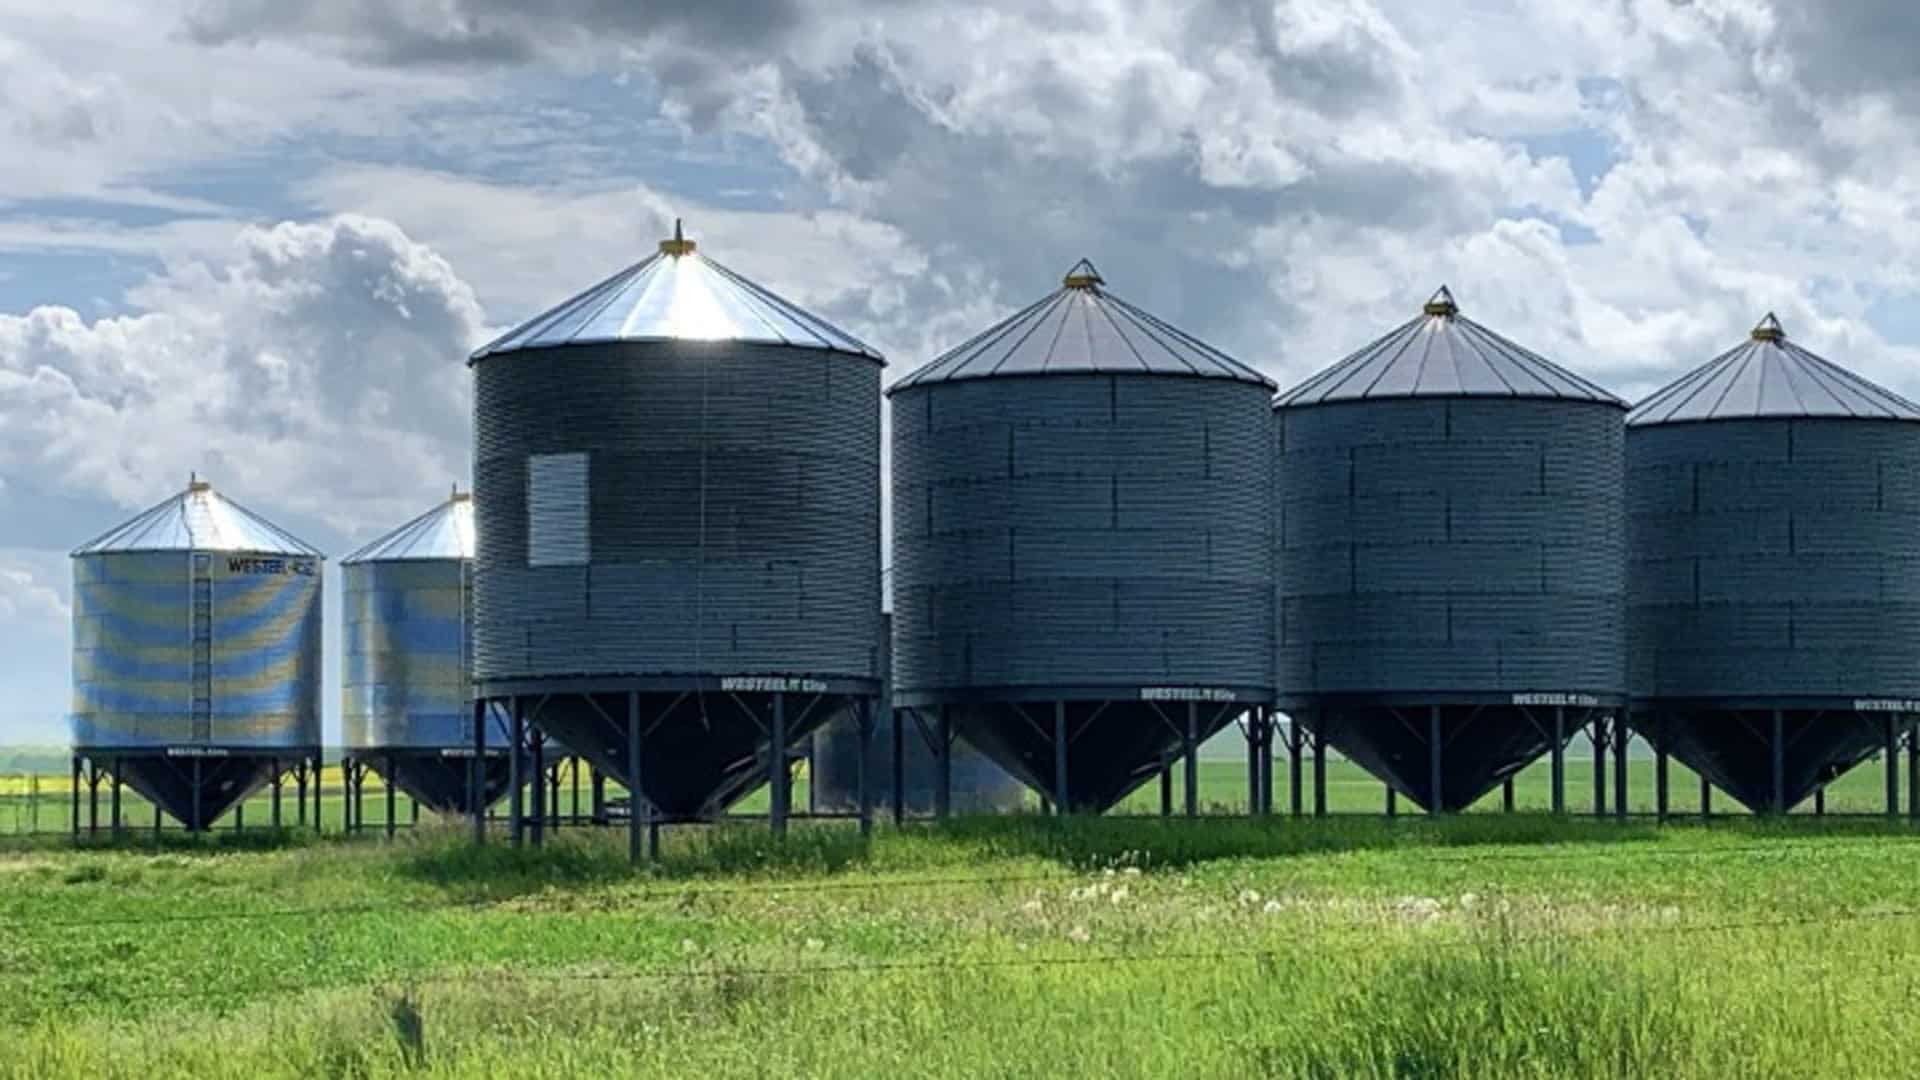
(202, 648)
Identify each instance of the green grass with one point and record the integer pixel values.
(1482, 945)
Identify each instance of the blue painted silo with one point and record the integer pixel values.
(196, 653)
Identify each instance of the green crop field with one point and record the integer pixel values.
(1483, 945)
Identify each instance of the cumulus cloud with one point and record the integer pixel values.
(318, 363)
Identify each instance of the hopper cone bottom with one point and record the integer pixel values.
(167, 782)
(1481, 746)
(1734, 750)
(1112, 747)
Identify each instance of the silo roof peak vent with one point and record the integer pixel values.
(678, 244)
(1083, 276)
(1442, 304)
(1769, 329)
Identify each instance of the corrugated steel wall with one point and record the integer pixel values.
(734, 507)
(1463, 546)
(1775, 558)
(1082, 530)
(134, 668)
(405, 665)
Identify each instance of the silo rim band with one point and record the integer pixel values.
(1169, 694)
(105, 751)
(1774, 418)
(1572, 699)
(1551, 399)
(905, 386)
(495, 689)
(1852, 703)
(690, 344)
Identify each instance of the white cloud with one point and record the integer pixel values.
(317, 368)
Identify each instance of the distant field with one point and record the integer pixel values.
(1479, 946)
(40, 800)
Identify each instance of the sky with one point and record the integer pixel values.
(255, 240)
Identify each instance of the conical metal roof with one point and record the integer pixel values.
(198, 519)
(1078, 329)
(1444, 354)
(676, 294)
(1769, 376)
(442, 533)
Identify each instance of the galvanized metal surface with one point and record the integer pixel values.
(676, 294)
(1444, 354)
(444, 532)
(196, 649)
(1081, 532)
(405, 642)
(197, 519)
(1082, 328)
(1775, 560)
(733, 512)
(1451, 548)
(1770, 376)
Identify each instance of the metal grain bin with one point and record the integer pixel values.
(1775, 539)
(975, 785)
(1082, 543)
(406, 704)
(1452, 560)
(196, 653)
(676, 487)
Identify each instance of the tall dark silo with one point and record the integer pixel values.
(406, 703)
(1775, 539)
(677, 500)
(1452, 556)
(975, 784)
(1082, 543)
(196, 656)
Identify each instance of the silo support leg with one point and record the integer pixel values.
(392, 803)
(118, 825)
(93, 799)
(537, 813)
(1319, 767)
(516, 803)
(899, 769)
(780, 773)
(1559, 779)
(1820, 801)
(1436, 769)
(193, 804)
(1622, 742)
(1253, 763)
(1660, 791)
(300, 794)
(1190, 746)
(319, 788)
(1598, 735)
(75, 817)
(1893, 765)
(1779, 762)
(1060, 803)
(633, 777)
(863, 748)
(1706, 797)
(1266, 762)
(1506, 795)
(1393, 801)
(275, 766)
(1296, 753)
(1166, 789)
(476, 772)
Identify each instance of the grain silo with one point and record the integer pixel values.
(1775, 540)
(406, 703)
(905, 756)
(196, 656)
(1082, 544)
(1452, 559)
(677, 499)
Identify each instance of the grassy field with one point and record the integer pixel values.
(1477, 946)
